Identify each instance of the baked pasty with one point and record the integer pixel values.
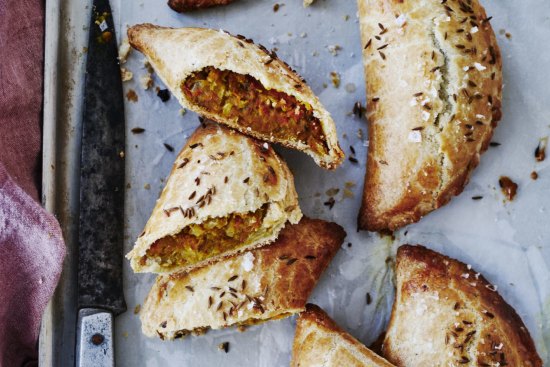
(182, 6)
(446, 314)
(434, 84)
(268, 283)
(237, 83)
(319, 342)
(226, 193)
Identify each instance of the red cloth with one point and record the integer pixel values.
(21, 75)
(31, 244)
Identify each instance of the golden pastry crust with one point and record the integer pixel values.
(219, 172)
(434, 86)
(266, 283)
(175, 54)
(447, 314)
(319, 342)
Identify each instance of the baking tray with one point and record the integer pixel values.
(509, 242)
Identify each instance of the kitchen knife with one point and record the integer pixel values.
(100, 293)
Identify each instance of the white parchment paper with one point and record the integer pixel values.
(509, 242)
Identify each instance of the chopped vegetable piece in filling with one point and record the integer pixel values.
(244, 99)
(200, 241)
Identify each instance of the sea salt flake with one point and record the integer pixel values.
(474, 30)
(479, 67)
(248, 261)
(415, 136)
(425, 115)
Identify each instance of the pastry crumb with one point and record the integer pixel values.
(335, 79)
(124, 51)
(509, 188)
(132, 96)
(334, 49)
(146, 81)
(126, 74)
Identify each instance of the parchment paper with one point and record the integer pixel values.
(509, 242)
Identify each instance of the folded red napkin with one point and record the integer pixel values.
(31, 245)
(31, 253)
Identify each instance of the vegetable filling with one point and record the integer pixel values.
(201, 241)
(244, 99)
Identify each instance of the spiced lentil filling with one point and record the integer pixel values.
(244, 99)
(200, 241)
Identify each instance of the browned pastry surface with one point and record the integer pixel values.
(263, 284)
(446, 314)
(319, 342)
(434, 83)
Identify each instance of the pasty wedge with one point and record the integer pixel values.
(447, 314)
(264, 284)
(319, 342)
(226, 193)
(237, 83)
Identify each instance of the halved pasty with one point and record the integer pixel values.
(264, 284)
(237, 83)
(226, 193)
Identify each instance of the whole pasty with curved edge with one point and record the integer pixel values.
(447, 314)
(434, 86)
(242, 85)
(226, 193)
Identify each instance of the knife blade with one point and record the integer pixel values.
(99, 291)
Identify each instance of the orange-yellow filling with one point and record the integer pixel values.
(244, 99)
(200, 241)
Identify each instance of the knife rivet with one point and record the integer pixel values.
(97, 339)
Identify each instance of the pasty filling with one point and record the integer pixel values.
(244, 99)
(200, 241)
